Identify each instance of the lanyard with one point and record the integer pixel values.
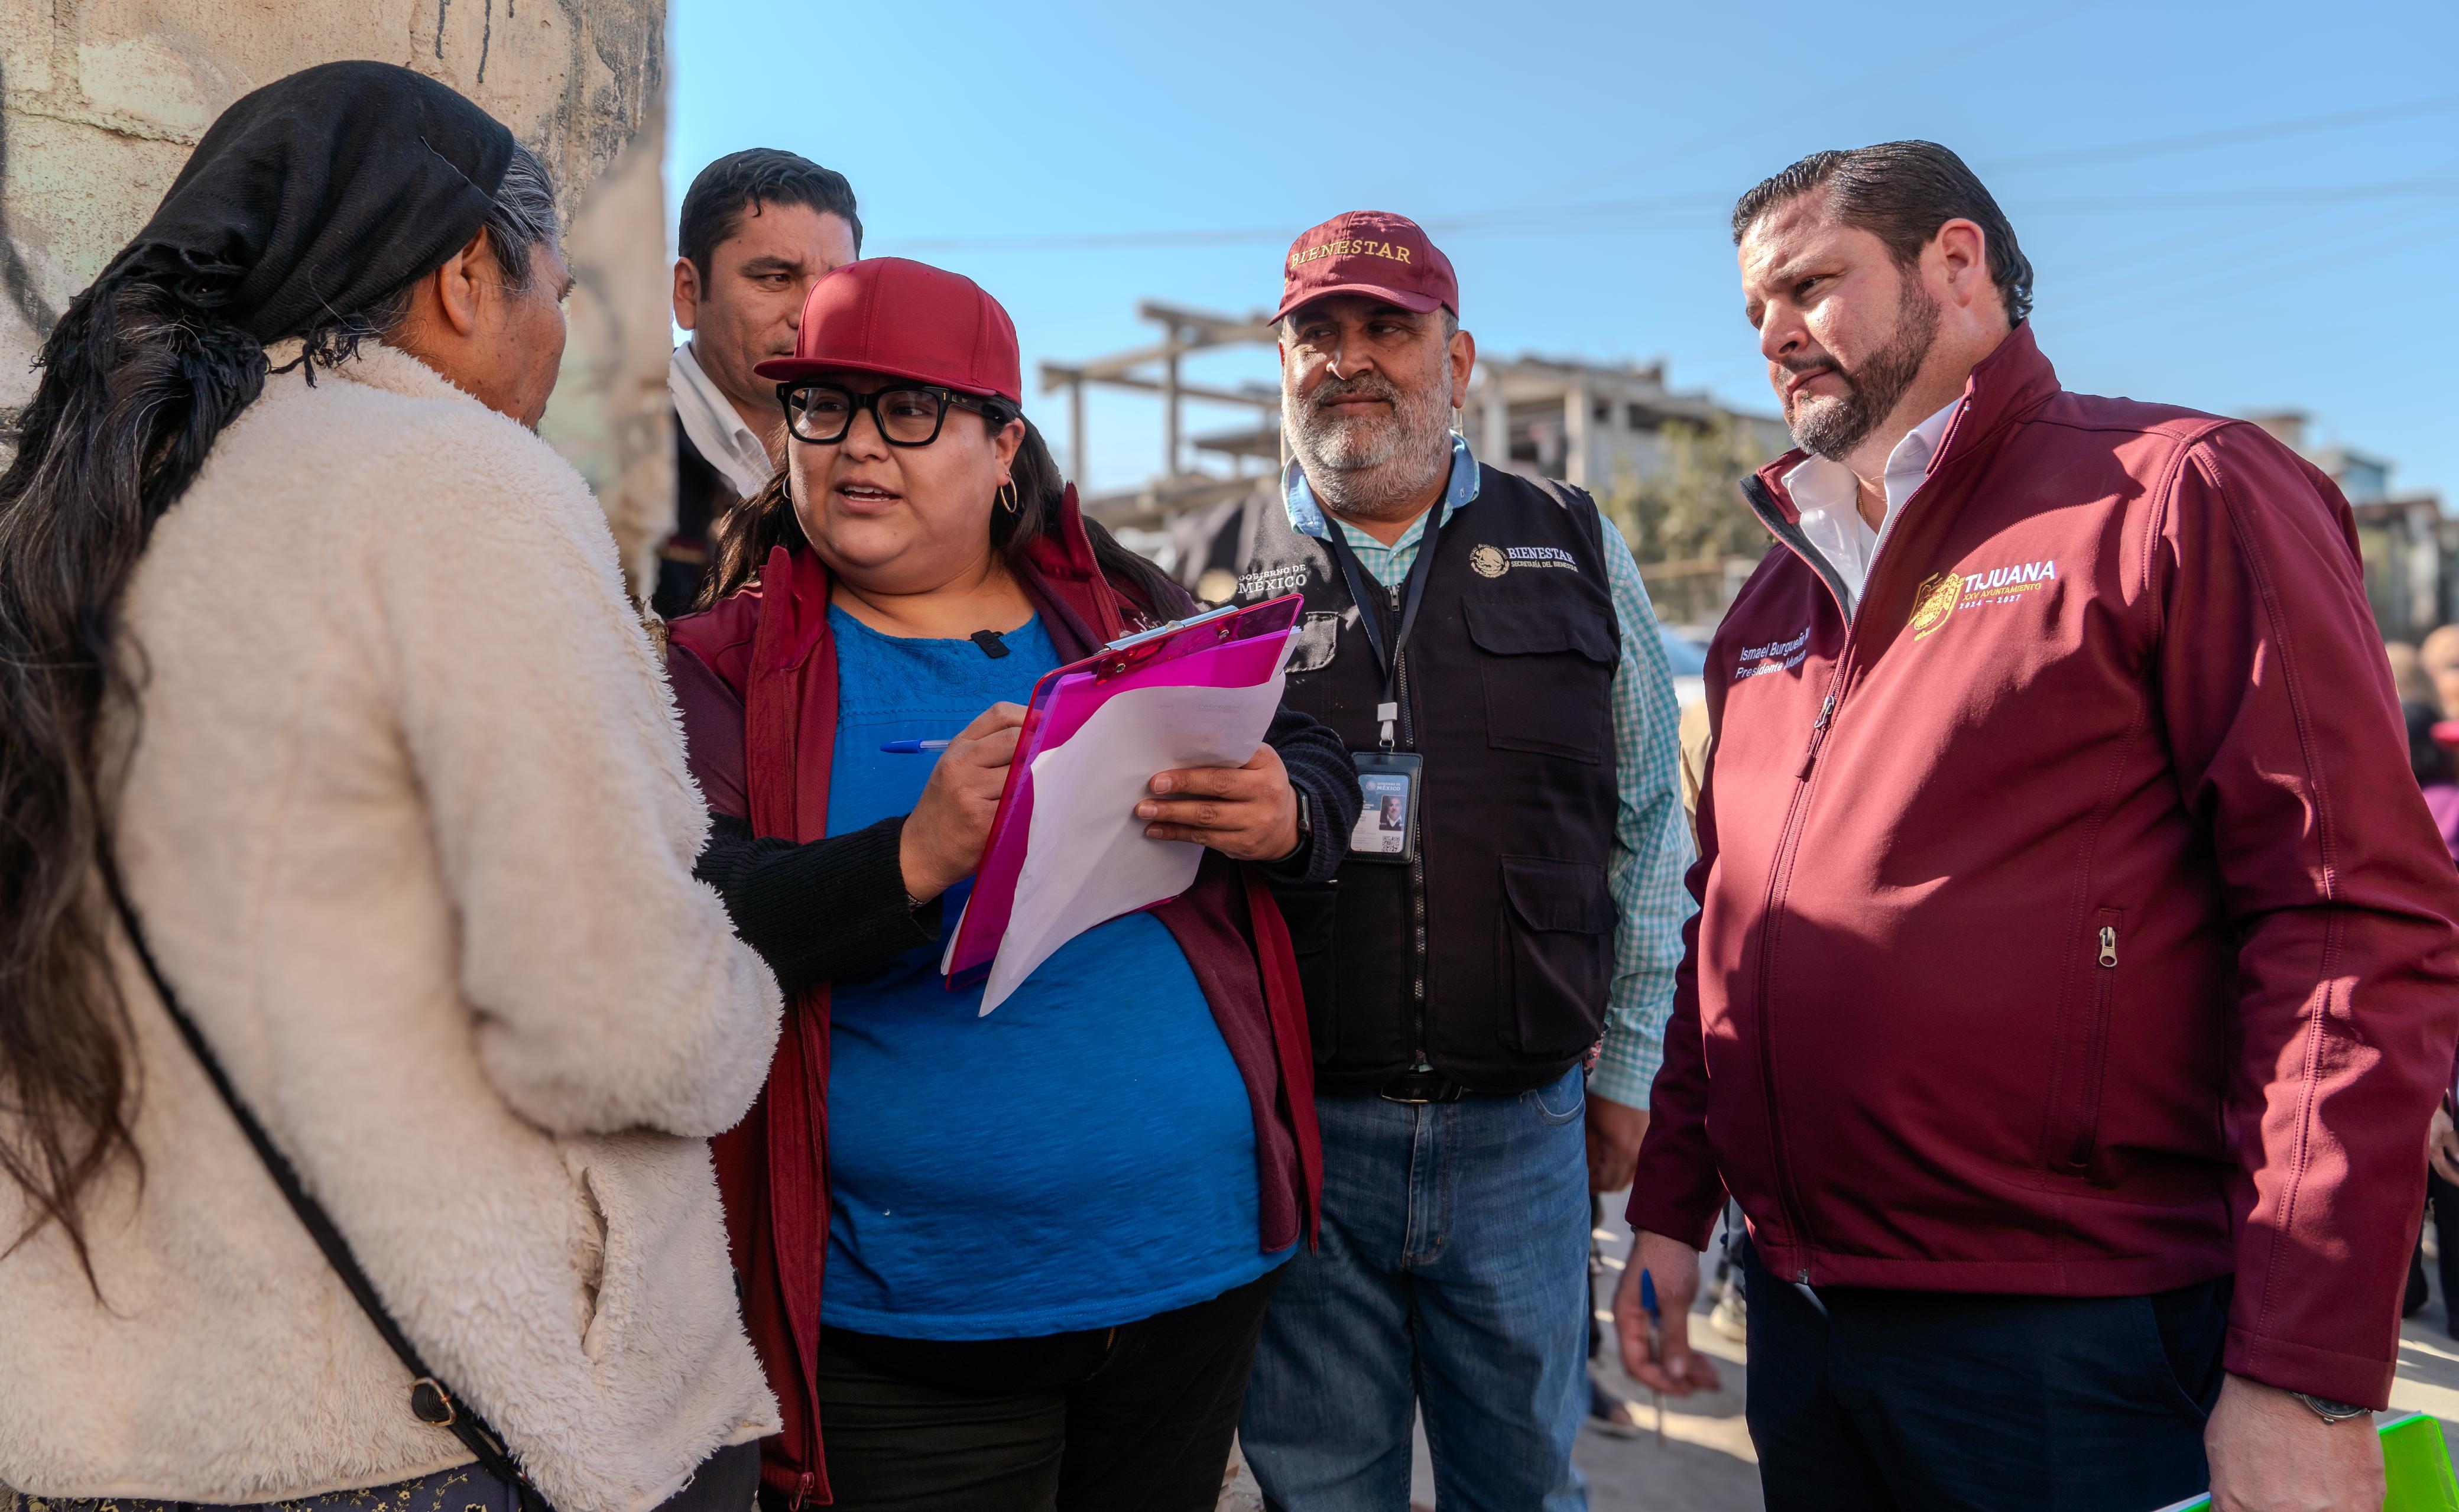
(1370, 605)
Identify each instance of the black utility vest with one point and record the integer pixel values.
(1489, 956)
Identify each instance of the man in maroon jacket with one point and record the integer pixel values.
(2074, 976)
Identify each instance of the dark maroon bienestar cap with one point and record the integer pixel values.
(1369, 252)
(903, 319)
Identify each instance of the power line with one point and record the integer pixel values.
(2229, 137)
(1514, 220)
(2303, 193)
(2090, 281)
(1603, 217)
(2211, 249)
(1892, 75)
(2154, 301)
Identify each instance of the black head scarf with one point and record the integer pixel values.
(319, 194)
(311, 199)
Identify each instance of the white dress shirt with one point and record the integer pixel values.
(1829, 497)
(716, 427)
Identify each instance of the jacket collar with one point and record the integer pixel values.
(378, 367)
(2003, 387)
(1064, 559)
(1061, 570)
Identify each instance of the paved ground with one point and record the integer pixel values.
(1705, 1463)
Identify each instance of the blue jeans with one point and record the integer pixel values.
(1452, 1277)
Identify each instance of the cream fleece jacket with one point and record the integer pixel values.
(407, 821)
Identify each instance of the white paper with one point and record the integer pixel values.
(1087, 859)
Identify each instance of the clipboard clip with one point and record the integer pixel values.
(1119, 656)
(1226, 612)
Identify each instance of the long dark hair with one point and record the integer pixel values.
(765, 521)
(138, 381)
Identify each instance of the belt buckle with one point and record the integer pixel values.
(1427, 1082)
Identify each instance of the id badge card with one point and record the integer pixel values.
(1387, 821)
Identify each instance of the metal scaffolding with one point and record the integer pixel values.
(1156, 369)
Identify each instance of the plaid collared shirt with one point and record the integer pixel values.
(1652, 843)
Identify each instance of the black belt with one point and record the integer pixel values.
(1421, 1086)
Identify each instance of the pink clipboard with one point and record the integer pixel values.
(1228, 647)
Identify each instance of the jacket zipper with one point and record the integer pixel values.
(2077, 1155)
(1762, 501)
(1417, 862)
(1763, 504)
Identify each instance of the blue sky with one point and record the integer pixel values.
(2236, 207)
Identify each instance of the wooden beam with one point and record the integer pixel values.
(1076, 428)
(1204, 329)
(1169, 414)
(1244, 398)
(1113, 367)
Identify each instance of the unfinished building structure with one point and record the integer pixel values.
(1585, 423)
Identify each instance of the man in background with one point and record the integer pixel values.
(758, 229)
(2073, 976)
(1483, 644)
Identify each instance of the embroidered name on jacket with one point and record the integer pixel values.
(1272, 581)
(1492, 561)
(1948, 592)
(1776, 656)
(2006, 583)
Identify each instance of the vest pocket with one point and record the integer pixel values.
(1312, 910)
(1542, 660)
(1318, 637)
(1556, 954)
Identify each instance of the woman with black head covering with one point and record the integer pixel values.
(317, 678)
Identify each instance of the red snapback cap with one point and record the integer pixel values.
(903, 319)
(1370, 252)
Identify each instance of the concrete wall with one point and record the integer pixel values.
(102, 101)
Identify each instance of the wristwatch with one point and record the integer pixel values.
(2329, 1411)
(1305, 816)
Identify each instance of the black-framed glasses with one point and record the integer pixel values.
(907, 414)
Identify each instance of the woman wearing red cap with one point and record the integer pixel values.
(1048, 1234)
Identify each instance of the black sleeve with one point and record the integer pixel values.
(1319, 768)
(821, 910)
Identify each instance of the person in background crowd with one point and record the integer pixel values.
(2074, 971)
(2408, 677)
(1482, 644)
(311, 637)
(1051, 1232)
(1697, 740)
(2429, 761)
(2437, 776)
(758, 229)
(2440, 655)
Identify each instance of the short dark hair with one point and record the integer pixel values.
(1902, 192)
(714, 205)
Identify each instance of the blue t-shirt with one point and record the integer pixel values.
(1085, 1156)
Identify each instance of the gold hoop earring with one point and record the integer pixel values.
(1006, 495)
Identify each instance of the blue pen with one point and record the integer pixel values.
(913, 747)
(1655, 1343)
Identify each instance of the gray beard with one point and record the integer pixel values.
(1371, 466)
(1833, 428)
